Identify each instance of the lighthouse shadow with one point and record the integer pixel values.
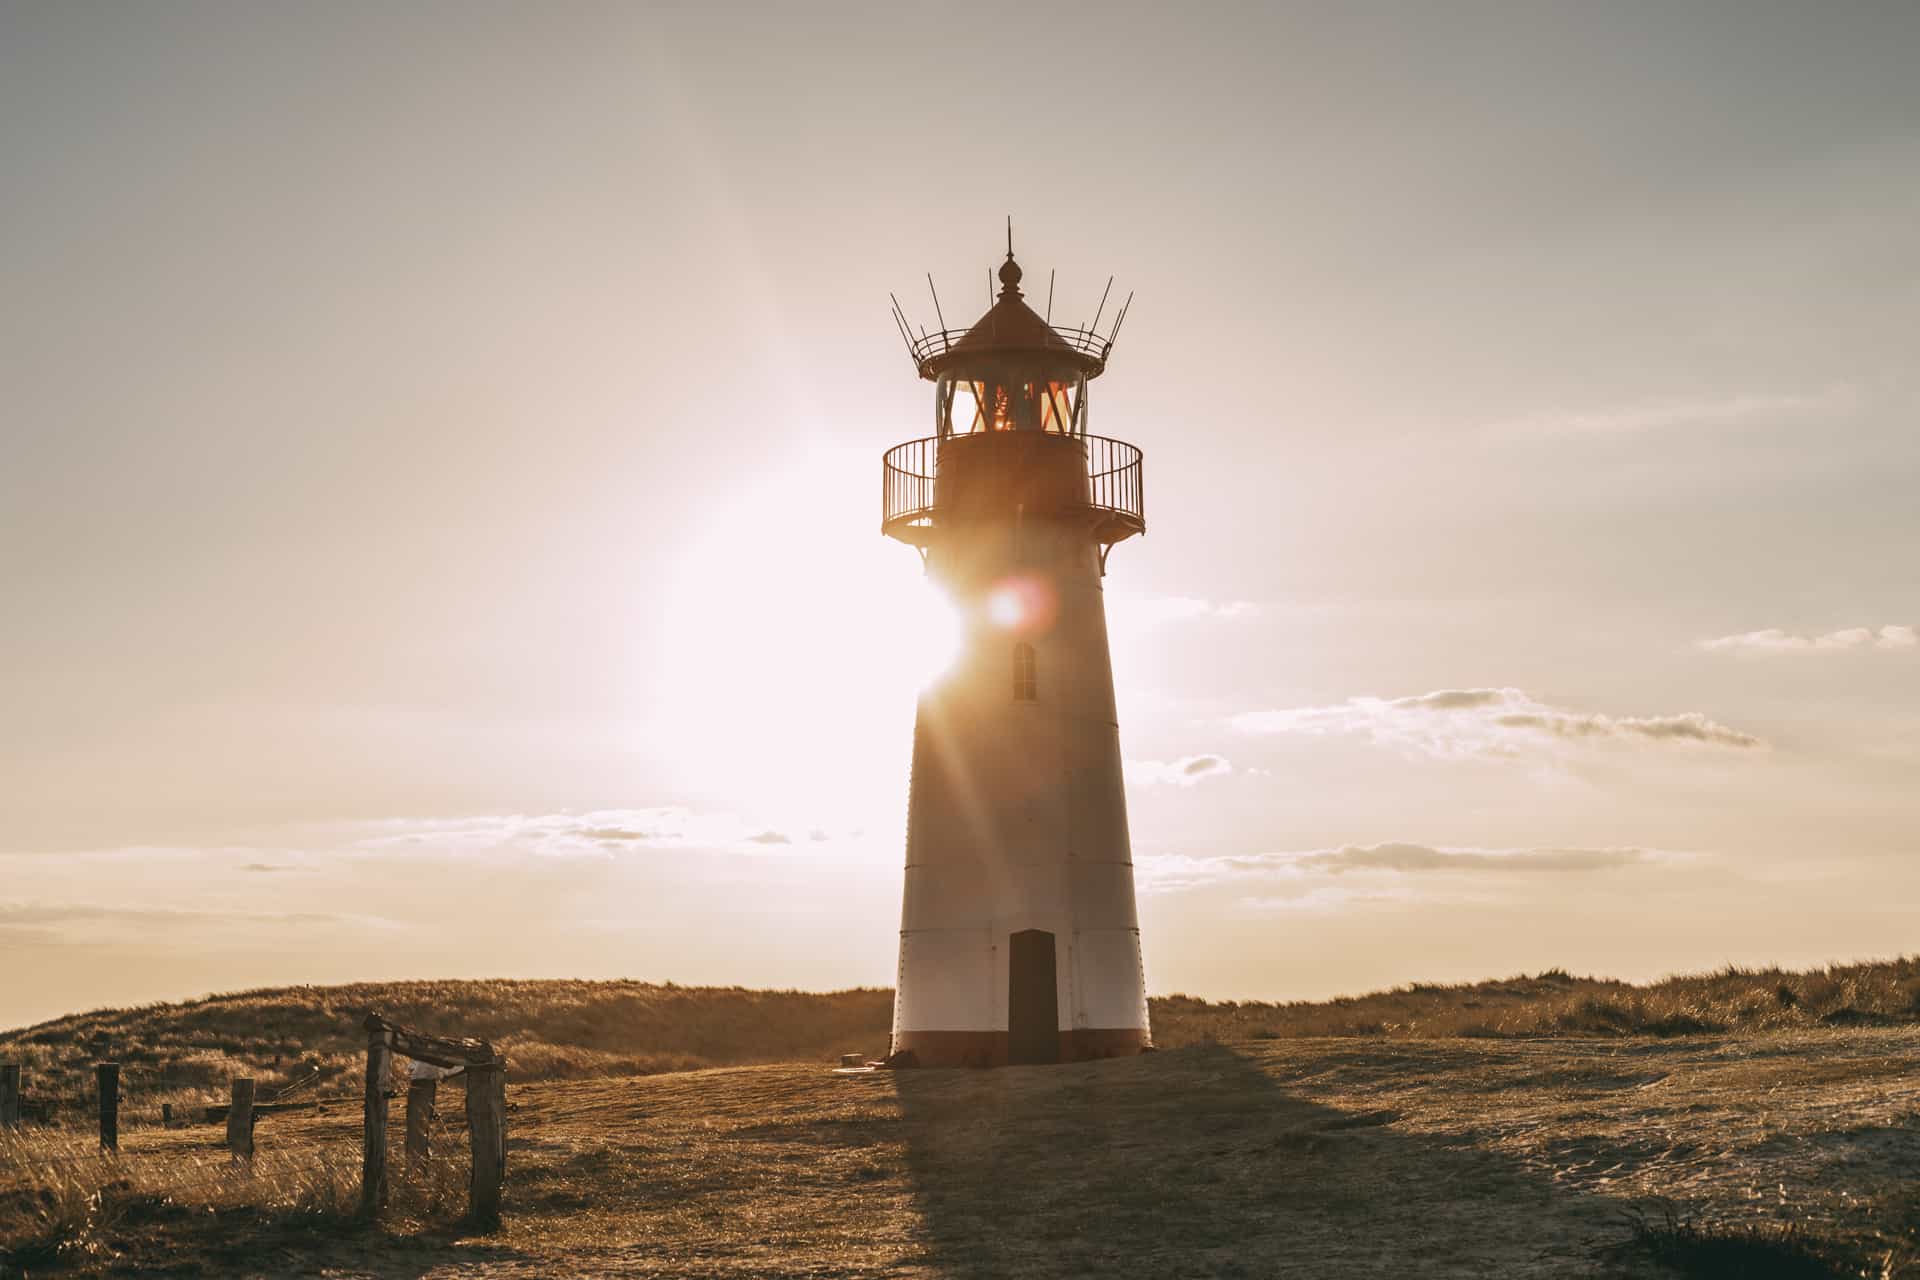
(1198, 1163)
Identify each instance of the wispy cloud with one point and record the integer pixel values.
(600, 832)
(1738, 409)
(54, 922)
(1774, 642)
(1184, 772)
(1500, 723)
(1152, 611)
(1176, 872)
(1420, 857)
(1323, 900)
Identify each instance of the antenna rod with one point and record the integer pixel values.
(1049, 297)
(903, 335)
(936, 303)
(1103, 305)
(900, 318)
(1119, 320)
(1009, 235)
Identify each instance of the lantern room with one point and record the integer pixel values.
(1003, 396)
(1011, 371)
(1014, 376)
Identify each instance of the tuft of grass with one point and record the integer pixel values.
(1751, 1251)
(65, 1201)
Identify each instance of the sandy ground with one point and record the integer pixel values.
(1311, 1158)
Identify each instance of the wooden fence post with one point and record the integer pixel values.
(487, 1126)
(421, 1095)
(9, 1095)
(240, 1120)
(373, 1168)
(108, 1075)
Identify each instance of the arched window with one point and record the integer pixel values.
(1025, 687)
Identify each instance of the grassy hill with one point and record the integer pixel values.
(574, 1029)
(1785, 1155)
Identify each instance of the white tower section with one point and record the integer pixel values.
(1019, 940)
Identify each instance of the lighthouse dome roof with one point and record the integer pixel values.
(1011, 327)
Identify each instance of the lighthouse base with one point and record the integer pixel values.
(989, 1048)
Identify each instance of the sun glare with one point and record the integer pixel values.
(932, 630)
(796, 639)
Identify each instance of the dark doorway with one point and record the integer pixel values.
(1033, 1004)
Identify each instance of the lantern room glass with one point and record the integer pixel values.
(1010, 399)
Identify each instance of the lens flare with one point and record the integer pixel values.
(1022, 604)
(1005, 607)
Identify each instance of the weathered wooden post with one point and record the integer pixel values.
(240, 1120)
(487, 1126)
(9, 1095)
(108, 1075)
(421, 1095)
(166, 1115)
(373, 1167)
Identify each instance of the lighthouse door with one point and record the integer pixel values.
(1033, 1002)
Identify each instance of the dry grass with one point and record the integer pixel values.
(1330, 1158)
(65, 1202)
(568, 1030)
(1516, 1128)
(1732, 1000)
(186, 1053)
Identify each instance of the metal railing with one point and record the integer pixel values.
(1114, 475)
(1116, 496)
(906, 475)
(931, 346)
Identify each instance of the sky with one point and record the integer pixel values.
(439, 517)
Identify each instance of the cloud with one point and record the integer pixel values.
(1773, 641)
(1322, 900)
(1151, 611)
(1184, 772)
(1168, 873)
(598, 833)
(1681, 414)
(1420, 857)
(1487, 723)
(69, 922)
(621, 835)
(266, 866)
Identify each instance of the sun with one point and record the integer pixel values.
(794, 637)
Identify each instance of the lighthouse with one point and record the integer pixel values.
(1019, 938)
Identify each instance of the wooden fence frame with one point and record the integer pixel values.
(486, 1075)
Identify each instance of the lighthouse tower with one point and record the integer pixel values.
(1019, 941)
